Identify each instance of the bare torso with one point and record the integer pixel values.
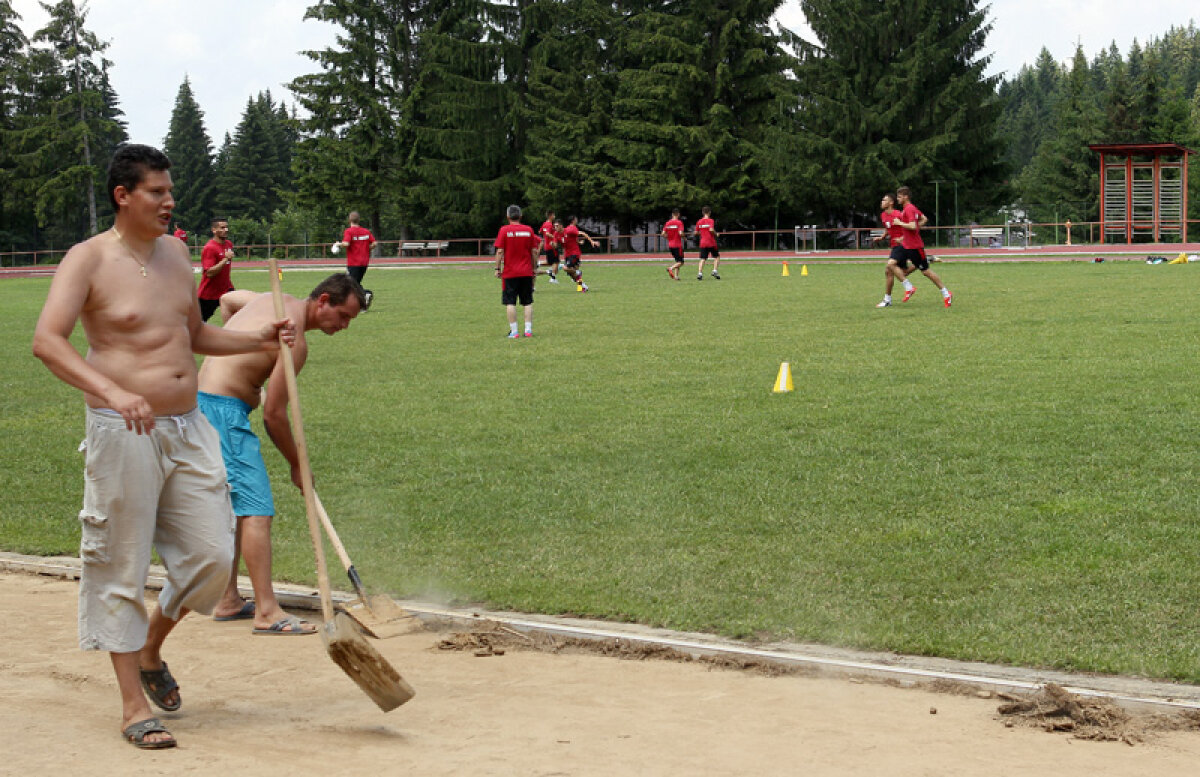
(138, 327)
(243, 375)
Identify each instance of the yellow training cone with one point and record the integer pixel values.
(785, 270)
(783, 383)
(804, 271)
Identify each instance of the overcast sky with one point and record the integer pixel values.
(233, 49)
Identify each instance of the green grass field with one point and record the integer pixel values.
(1010, 480)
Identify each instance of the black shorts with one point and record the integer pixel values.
(916, 257)
(551, 256)
(899, 255)
(677, 253)
(572, 261)
(517, 290)
(208, 307)
(357, 272)
(707, 251)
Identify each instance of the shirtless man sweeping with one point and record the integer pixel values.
(230, 387)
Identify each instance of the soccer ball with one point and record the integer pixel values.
(336, 248)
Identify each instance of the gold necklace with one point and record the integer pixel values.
(131, 253)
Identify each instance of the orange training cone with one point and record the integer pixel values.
(783, 383)
(804, 271)
(785, 270)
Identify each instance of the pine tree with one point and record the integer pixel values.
(465, 115)
(895, 93)
(251, 179)
(1063, 178)
(654, 145)
(191, 152)
(13, 45)
(567, 108)
(81, 120)
(352, 149)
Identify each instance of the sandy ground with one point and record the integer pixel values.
(280, 706)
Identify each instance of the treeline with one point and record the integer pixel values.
(1052, 112)
(430, 116)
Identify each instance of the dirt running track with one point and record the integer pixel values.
(279, 706)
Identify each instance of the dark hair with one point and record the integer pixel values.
(904, 190)
(573, 218)
(675, 212)
(340, 287)
(889, 196)
(218, 220)
(129, 165)
(706, 210)
(549, 213)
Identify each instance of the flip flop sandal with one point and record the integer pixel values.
(291, 626)
(158, 684)
(136, 735)
(244, 614)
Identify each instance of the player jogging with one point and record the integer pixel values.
(911, 220)
(897, 264)
(673, 232)
(707, 229)
(358, 242)
(571, 253)
(549, 233)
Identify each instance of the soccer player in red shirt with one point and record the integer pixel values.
(707, 229)
(673, 232)
(550, 245)
(897, 264)
(215, 259)
(358, 242)
(517, 248)
(571, 253)
(911, 220)
(180, 234)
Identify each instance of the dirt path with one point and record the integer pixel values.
(278, 706)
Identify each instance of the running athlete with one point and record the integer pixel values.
(571, 253)
(897, 264)
(673, 232)
(550, 245)
(911, 220)
(707, 229)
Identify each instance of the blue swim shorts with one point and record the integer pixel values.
(250, 488)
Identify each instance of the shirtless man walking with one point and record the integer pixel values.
(153, 474)
(230, 387)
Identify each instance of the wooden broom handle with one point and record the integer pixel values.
(310, 495)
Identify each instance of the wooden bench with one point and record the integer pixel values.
(987, 234)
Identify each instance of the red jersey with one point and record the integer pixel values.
(179, 233)
(548, 235)
(911, 237)
(895, 234)
(674, 232)
(571, 241)
(213, 253)
(358, 242)
(708, 232)
(518, 243)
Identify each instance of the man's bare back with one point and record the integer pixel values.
(243, 375)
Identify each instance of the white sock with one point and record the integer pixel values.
(528, 328)
(512, 329)
(907, 284)
(945, 292)
(887, 297)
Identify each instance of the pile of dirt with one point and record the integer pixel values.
(1055, 709)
